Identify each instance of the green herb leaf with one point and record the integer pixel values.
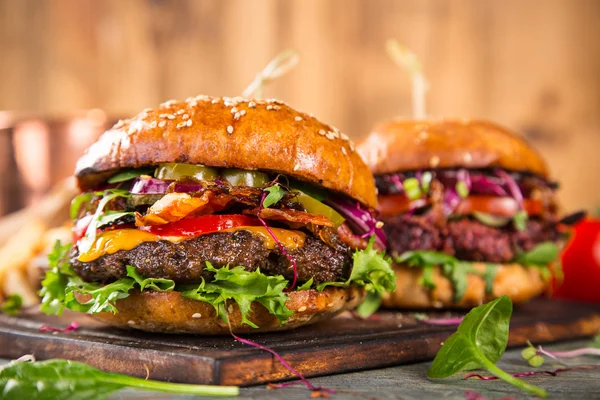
(63, 379)
(276, 193)
(12, 304)
(129, 174)
(369, 305)
(541, 255)
(110, 217)
(371, 269)
(307, 285)
(520, 220)
(412, 188)
(457, 273)
(243, 287)
(426, 181)
(462, 189)
(56, 280)
(489, 275)
(78, 201)
(479, 342)
(90, 234)
(156, 284)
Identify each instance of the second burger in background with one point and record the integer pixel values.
(469, 212)
(219, 214)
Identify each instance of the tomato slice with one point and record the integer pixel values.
(501, 206)
(194, 226)
(581, 264)
(80, 227)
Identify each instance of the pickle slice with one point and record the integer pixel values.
(242, 177)
(174, 171)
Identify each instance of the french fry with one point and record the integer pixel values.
(15, 282)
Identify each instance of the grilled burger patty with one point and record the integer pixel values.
(184, 262)
(466, 239)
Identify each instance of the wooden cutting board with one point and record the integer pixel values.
(341, 345)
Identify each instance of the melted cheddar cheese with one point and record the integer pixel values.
(110, 242)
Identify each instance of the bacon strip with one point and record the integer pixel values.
(294, 216)
(175, 206)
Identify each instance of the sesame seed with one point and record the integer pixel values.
(147, 110)
(269, 107)
(276, 108)
(434, 161)
(185, 116)
(467, 158)
(351, 145)
(243, 112)
(230, 129)
(234, 110)
(298, 118)
(170, 117)
(238, 99)
(180, 125)
(193, 103)
(197, 315)
(228, 103)
(251, 104)
(162, 124)
(302, 309)
(131, 322)
(236, 115)
(335, 134)
(344, 137)
(379, 224)
(344, 151)
(296, 167)
(215, 101)
(189, 99)
(322, 132)
(153, 124)
(329, 135)
(163, 115)
(188, 122)
(179, 112)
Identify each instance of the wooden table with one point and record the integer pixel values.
(410, 382)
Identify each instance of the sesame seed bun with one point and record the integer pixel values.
(513, 280)
(404, 145)
(169, 312)
(232, 132)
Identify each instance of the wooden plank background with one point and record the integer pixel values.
(532, 65)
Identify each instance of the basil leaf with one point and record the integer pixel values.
(243, 287)
(542, 254)
(63, 379)
(371, 269)
(489, 275)
(520, 220)
(12, 304)
(479, 342)
(129, 174)
(276, 193)
(369, 305)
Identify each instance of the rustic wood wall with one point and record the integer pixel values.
(532, 65)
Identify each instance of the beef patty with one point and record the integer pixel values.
(184, 262)
(467, 239)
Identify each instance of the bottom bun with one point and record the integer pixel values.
(516, 281)
(170, 312)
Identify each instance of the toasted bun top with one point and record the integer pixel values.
(232, 132)
(403, 145)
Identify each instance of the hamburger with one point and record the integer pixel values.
(468, 209)
(217, 215)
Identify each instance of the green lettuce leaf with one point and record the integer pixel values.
(541, 255)
(369, 305)
(12, 304)
(371, 269)
(243, 287)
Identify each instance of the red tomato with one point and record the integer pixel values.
(581, 264)
(80, 227)
(502, 206)
(193, 226)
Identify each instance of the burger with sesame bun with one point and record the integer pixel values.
(219, 215)
(468, 209)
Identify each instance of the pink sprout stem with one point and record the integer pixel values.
(279, 358)
(443, 321)
(285, 253)
(530, 373)
(585, 351)
(73, 326)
